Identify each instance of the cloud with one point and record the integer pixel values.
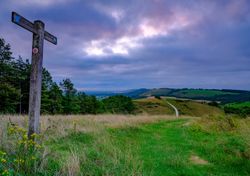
(41, 3)
(129, 44)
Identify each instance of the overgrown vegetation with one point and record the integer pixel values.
(20, 155)
(143, 145)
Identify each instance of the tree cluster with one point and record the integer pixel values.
(55, 99)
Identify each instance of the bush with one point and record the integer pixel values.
(22, 156)
(213, 103)
(119, 104)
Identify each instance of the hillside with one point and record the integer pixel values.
(242, 108)
(223, 96)
(155, 106)
(220, 95)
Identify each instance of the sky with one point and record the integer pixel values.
(129, 44)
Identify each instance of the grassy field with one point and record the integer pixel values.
(241, 108)
(155, 106)
(239, 105)
(141, 145)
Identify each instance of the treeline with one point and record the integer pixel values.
(60, 98)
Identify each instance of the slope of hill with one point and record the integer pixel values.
(221, 95)
(185, 107)
(242, 108)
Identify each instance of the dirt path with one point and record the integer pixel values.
(175, 109)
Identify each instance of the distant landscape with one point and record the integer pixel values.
(134, 132)
(220, 95)
(125, 88)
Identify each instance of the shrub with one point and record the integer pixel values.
(23, 156)
(119, 104)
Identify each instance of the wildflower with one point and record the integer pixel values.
(19, 161)
(5, 172)
(3, 160)
(2, 153)
(20, 142)
(38, 146)
(33, 135)
(31, 142)
(11, 130)
(25, 137)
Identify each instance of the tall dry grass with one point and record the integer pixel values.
(78, 159)
(60, 124)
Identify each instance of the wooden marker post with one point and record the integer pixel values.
(39, 34)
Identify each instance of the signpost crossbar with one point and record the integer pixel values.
(26, 24)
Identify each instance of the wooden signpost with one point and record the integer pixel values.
(39, 34)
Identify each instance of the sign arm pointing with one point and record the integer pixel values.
(26, 24)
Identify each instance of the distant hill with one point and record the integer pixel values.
(221, 95)
(135, 93)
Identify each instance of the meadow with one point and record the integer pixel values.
(136, 145)
(239, 104)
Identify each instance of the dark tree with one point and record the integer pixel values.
(119, 104)
(70, 101)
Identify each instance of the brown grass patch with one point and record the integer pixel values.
(197, 160)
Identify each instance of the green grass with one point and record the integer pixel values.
(97, 145)
(241, 108)
(162, 148)
(166, 148)
(239, 105)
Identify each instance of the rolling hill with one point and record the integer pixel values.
(220, 95)
(154, 106)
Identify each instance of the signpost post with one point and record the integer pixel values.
(39, 34)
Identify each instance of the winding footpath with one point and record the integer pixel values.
(175, 109)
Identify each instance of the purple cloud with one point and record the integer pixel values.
(114, 45)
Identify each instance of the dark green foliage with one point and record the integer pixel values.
(56, 98)
(213, 103)
(157, 97)
(119, 104)
(70, 100)
(242, 111)
(9, 98)
(240, 108)
(88, 104)
(9, 93)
